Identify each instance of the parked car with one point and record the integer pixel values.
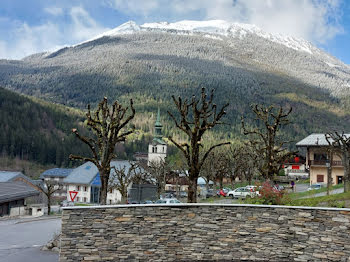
(314, 187)
(167, 195)
(183, 194)
(242, 192)
(254, 189)
(168, 201)
(210, 193)
(148, 202)
(278, 187)
(222, 192)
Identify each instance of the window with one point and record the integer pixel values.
(154, 149)
(78, 199)
(85, 199)
(111, 191)
(163, 149)
(110, 202)
(85, 188)
(78, 188)
(320, 178)
(320, 156)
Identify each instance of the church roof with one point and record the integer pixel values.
(158, 141)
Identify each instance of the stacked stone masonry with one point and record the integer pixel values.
(203, 232)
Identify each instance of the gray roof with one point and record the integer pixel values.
(86, 173)
(315, 140)
(83, 174)
(10, 191)
(56, 172)
(7, 176)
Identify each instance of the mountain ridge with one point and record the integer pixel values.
(151, 66)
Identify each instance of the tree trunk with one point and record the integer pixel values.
(49, 205)
(233, 183)
(192, 189)
(124, 199)
(221, 182)
(104, 187)
(329, 173)
(159, 189)
(346, 173)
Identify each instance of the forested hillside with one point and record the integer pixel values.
(152, 65)
(37, 131)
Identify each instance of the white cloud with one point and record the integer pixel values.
(55, 11)
(314, 20)
(27, 40)
(83, 26)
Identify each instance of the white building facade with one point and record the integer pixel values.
(157, 149)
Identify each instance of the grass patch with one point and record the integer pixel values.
(82, 205)
(336, 200)
(312, 192)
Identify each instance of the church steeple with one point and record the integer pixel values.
(158, 127)
(157, 149)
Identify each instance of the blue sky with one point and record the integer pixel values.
(30, 26)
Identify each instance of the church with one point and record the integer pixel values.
(157, 149)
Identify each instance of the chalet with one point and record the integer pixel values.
(56, 176)
(10, 176)
(13, 197)
(295, 167)
(317, 159)
(83, 183)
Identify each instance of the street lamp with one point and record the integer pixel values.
(328, 164)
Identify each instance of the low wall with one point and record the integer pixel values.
(205, 232)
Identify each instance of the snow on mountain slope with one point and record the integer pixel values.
(211, 29)
(220, 27)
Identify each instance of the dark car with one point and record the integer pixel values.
(210, 193)
(183, 194)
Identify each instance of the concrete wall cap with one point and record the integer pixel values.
(184, 205)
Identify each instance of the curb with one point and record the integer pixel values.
(38, 219)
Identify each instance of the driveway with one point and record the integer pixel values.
(21, 240)
(335, 191)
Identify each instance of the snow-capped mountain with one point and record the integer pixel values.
(209, 28)
(153, 61)
(202, 52)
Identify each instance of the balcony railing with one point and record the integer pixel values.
(323, 163)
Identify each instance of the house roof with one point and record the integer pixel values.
(83, 174)
(7, 176)
(315, 140)
(56, 172)
(10, 191)
(87, 173)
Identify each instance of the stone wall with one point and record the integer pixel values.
(193, 232)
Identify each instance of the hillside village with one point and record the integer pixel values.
(174, 130)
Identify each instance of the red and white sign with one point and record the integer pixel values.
(73, 195)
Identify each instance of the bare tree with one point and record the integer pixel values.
(109, 126)
(208, 170)
(49, 188)
(158, 171)
(265, 141)
(242, 163)
(124, 176)
(196, 117)
(341, 142)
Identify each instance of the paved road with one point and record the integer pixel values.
(20, 240)
(335, 191)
